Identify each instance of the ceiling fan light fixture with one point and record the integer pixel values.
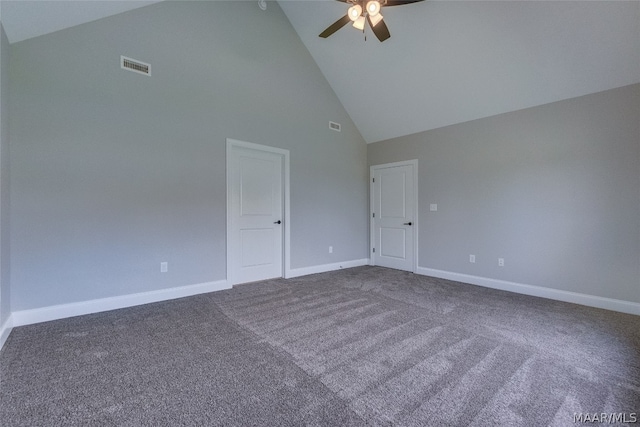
(373, 8)
(354, 12)
(359, 12)
(375, 20)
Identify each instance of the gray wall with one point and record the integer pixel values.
(5, 301)
(555, 190)
(113, 172)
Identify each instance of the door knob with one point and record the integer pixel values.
(407, 223)
(278, 222)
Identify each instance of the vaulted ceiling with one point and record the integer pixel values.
(446, 61)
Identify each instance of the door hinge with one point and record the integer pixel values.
(374, 214)
(374, 180)
(374, 250)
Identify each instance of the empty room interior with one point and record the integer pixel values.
(210, 215)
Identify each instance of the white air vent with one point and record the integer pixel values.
(135, 66)
(335, 126)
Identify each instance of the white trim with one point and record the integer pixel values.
(5, 330)
(54, 312)
(538, 291)
(372, 169)
(297, 272)
(285, 194)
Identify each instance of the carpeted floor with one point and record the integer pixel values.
(363, 346)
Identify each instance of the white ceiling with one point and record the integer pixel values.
(446, 61)
(25, 19)
(452, 61)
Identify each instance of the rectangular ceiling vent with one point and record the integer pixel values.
(135, 66)
(335, 126)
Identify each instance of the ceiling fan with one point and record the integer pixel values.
(366, 11)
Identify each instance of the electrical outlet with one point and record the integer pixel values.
(472, 258)
(500, 262)
(164, 267)
(330, 249)
(433, 207)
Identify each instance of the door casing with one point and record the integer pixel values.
(414, 227)
(286, 256)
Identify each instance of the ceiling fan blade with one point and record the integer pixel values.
(399, 2)
(335, 26)
(380, 29)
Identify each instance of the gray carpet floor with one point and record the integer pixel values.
(355, 347)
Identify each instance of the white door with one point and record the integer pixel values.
(255, 229)
(393, 215)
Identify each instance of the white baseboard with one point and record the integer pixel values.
(297, 272)
(45, 314)
(537, 291)
(5, 330)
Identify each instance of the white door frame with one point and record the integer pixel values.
(414, 229)
(231, 143)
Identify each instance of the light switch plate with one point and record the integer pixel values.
(433, 207)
